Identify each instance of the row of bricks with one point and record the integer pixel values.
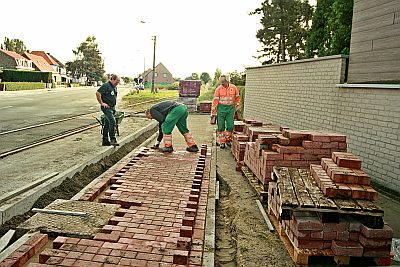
(26, 251)
(92, 193)
(317, 136)
(344, 174)
(148, 236)
(341, 190)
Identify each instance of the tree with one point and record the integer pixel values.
(217, 74)
(15, 45)
(331, 28)
(237, 78)
(88, 62)
(205, 77)
(285, 27)
(127, 80)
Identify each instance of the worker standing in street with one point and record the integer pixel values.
(225, 103)
(168, 114)
(107, 97)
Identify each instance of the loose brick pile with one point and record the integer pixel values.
(26, 251)
(342, 177)
(161, 221)
(289, 148)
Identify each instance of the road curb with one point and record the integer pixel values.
(209, 238)
(24, 202)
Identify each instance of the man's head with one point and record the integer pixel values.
(148, 114)
(224, 79)
(115, 80)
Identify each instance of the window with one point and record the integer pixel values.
(165, 75)
(156, 74)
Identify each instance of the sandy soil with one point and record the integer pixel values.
(242, 237)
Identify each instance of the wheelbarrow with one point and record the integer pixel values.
(119, 115)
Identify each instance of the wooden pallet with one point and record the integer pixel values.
(298, 191)
(255, 184)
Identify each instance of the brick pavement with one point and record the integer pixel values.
(161, 220)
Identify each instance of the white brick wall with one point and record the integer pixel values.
(304, 95)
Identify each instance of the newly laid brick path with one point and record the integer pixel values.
(161, 220)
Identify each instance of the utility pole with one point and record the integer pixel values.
(154, 65)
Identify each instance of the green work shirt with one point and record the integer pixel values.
(108, 94)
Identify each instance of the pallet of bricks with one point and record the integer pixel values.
(288, 148)
(189, 91)
(329, 210)
(248, 131)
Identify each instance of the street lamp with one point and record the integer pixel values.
(154, 64)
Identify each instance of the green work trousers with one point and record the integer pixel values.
(225, 115)
(177, 116)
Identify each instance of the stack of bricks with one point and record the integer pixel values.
(205, 106)
(348, 237)
(291, 148)
(341, 176)
(161, 221)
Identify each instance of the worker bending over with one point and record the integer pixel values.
(168, 114)
(225, 103)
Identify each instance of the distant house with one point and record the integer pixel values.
(161, 75)
(62, 70)
(57, 77)
(40, 64)
(12, 60)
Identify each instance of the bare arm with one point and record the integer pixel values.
(98, 96)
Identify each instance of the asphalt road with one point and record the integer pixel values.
(24, 108)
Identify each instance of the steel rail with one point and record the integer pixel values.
(46, 123)
(49, 139)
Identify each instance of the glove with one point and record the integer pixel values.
(213, 119)
(156, 145)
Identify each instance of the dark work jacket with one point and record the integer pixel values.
(159, 112)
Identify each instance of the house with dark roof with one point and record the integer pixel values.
(12, 60)
(161, 75)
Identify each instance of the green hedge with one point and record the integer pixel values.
(25, 76)
(11, 86)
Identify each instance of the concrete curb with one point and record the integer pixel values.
(209, 239)
(23, 203)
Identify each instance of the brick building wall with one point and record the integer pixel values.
(6, 62)
(305, 95)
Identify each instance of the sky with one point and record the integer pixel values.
(192, 36)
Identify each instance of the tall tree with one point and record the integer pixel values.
(205, 77)
(331, 28)
(88, 61)
(217, 74)
(285, 27)
(15, 45)
(237, 78)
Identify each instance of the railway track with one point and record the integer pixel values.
(18, 140)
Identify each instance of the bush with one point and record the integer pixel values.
(16, 86)
(242, 93)
(25, 76)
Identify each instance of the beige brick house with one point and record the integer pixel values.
(162, 75)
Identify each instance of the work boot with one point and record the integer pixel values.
(222, 146)
(193, 148)
(229, 143)
(106, 143)
(167, 149)
(114, 143)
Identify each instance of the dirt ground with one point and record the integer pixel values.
(242, 237)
